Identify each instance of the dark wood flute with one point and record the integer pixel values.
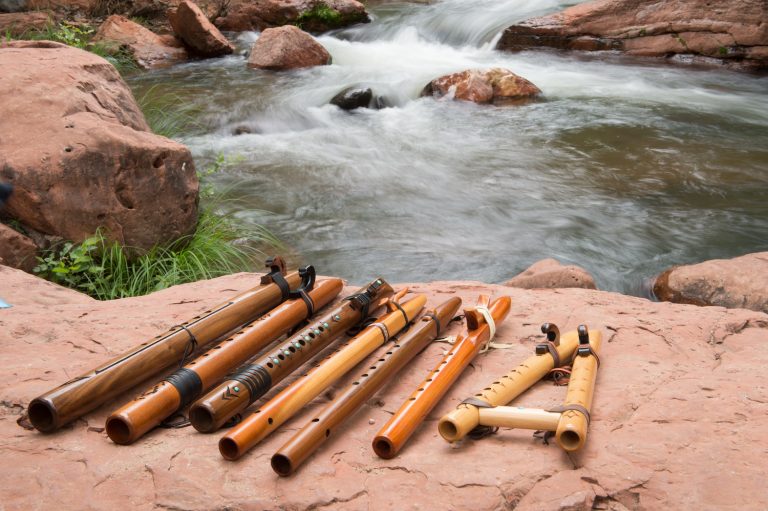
(88, 391)
(254, 380)
(173, 393)
(283, 406)
(375, 376)
(396, 432)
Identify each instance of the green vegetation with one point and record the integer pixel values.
(79, 36)
(321, 12)
(167, 113)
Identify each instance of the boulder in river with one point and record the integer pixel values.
(148, 49)
(733, 31)
(312, 15)
(287, 47)
(200, 35)
(498, 86)
(677, 419)
(741, 282)
(551, 274)
(77, 149)
(352, 98)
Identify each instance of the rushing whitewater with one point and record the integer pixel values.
(625, 168)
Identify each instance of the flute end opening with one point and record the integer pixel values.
(384, 448)
(229, 449)
(201, 419)
(570, 440)
(448, 430)
(119, 431)
(42, 415)
(282, 465)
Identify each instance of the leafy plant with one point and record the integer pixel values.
(320, 12)
(71, 265)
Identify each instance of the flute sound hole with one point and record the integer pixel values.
(270, 420)
(269, 364)
(302, 342)
(327, 433)
(292, 349)
(315, 420)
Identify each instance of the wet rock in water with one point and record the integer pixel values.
(244, 130)
(312, 15)
(16, 250)
(200, 35)
(17, 24)
(551, 274)
(734, 31)
(353, 97)
(498, 86)
(678, 387)
(80, 154)
(285, 48)
(148, 49)
(741, 282)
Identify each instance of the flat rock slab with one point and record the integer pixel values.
(551, 274)
(679, 418)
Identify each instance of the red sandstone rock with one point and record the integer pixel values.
(16, 250)
(497, 86)
(148, 49)
(287, 47)
(741, 282)
(19, 23)
(550, 274)
(732, 31)
(261, 14)
(191, 26)
(80, 155)
(678, 416)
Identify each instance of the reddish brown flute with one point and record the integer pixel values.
(375, 376)
(168, 396)
(404, 423)
(88, 391)
(284, 405)
(254, 380)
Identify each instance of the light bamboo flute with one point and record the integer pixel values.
(570, 421)
(254, 380)
(460, 422)
(88, 391)
(375, 376)
(284, 405)
(481, 326)
(173, 393)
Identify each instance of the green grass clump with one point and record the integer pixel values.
(320, 12)
(167, 113)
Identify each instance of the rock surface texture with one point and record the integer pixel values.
(17, 24)
(313, 15)
(16, 250)
(734, 31)
(200, 35)
(679, 416)
(288, 47)
(497, 86)
(148, 49)
(550, 274)
(739, 282)
(76, 147)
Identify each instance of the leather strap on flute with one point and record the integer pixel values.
(308, 275)
(573, 407)
(480, 431)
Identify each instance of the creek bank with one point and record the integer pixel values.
(80, 154)
(734, 33)
(492, 86)
(741, 282)
(311, 15)
(672, 375)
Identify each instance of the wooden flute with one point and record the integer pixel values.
(558, 350)
(88, 391)
(284, 405)
(173, 393)
(481, 323)
(254, 380)
(570, 421)
(375, 376)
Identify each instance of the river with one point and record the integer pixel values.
(626, 167)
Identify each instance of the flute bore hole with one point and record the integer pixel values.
(118, 430)
(447, 430)
(42, 415)
(201, 418)
(383, 448)
(228, 448)
(282, 465)
(570, 440)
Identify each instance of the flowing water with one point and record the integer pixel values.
(626, 168)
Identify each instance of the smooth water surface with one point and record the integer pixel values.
(625, 168)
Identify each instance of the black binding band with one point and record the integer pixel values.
(276, 275)
(189, 348)
(402, 311)
(307, 283)
(437, 322)
(362, 301)
(575, 408)
(187, 383)
(256, 379)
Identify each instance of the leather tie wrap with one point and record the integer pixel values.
(436, 321)
(491, 325)
(256, 379)
(307, 283)
(575, 408)
(585, 351)
(190, 347)
(276, 275)
(553, 351)
(384, 331)
(402, 311)
(188, 384)
(480, 431)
